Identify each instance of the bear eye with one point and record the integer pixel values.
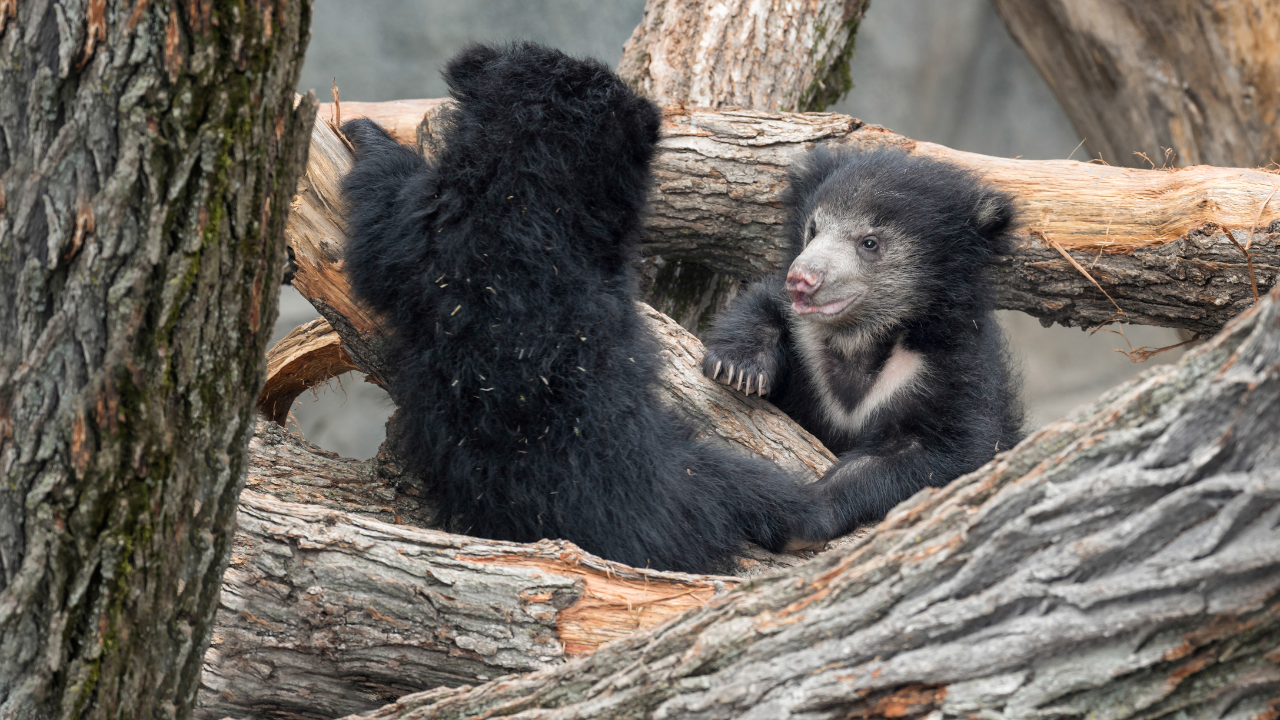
(870, 242)
(811, 231)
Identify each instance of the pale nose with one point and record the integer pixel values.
(803, 279)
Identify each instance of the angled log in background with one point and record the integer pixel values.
(344, 602)
(1199, 79)
(1124, 562)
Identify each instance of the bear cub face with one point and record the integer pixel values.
(878, 335)
(876, 239)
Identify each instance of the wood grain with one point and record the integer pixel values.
(770, 55)
(1119, 563)
(1199, 79)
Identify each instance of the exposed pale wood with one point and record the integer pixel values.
(1120, 563)
(344, 602)
(1154, 240)
(309, 355)
(400, 117)
(1199, 78)
(316, 235)
(767, 55)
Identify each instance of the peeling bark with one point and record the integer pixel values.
(1120, 563)
(309, 355)
(1199, 79)
(148, 152)
(329, 609)
(770, 55)
(325, 613)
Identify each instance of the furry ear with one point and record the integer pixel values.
(993, 214)
(808, 172)
(463, 72)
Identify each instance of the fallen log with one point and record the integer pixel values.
(338, 599)
(1124, 562)
(1180, 248)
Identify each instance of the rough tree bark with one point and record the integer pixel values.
(1199, 78)
(323, 613)
(771, 55)
(1174, 248)
(273, 649)
(148, 153)
(1121, 563)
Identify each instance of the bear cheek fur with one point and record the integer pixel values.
(885, 285)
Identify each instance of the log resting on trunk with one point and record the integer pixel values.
(1175, 248)
(335, 606)
(1123, 562)
(1201, 80)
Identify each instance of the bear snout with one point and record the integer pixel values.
(803, 280)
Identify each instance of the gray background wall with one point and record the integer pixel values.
(939, 70)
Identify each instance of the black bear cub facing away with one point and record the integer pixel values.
(880, 338)
(527, 380)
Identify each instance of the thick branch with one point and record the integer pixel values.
(773, 55)
(329, 609)
(1122, 560)
(1199, 79)
(1155, 240)
(325, 613)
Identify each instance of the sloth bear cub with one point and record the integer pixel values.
(880, 337)
(526, 379)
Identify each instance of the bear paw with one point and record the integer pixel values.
(750, 375)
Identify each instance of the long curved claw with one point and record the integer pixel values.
(730, 380)
(742, 375)
(716, 374)
(760, 387)
(749, 379)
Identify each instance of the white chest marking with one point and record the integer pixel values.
(901, 374)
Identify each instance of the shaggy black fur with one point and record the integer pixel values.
(964, 408)
(527, 380)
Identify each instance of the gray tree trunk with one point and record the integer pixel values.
(1121, 563)
(771, 55)
(1197, 78)
(148, 154)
